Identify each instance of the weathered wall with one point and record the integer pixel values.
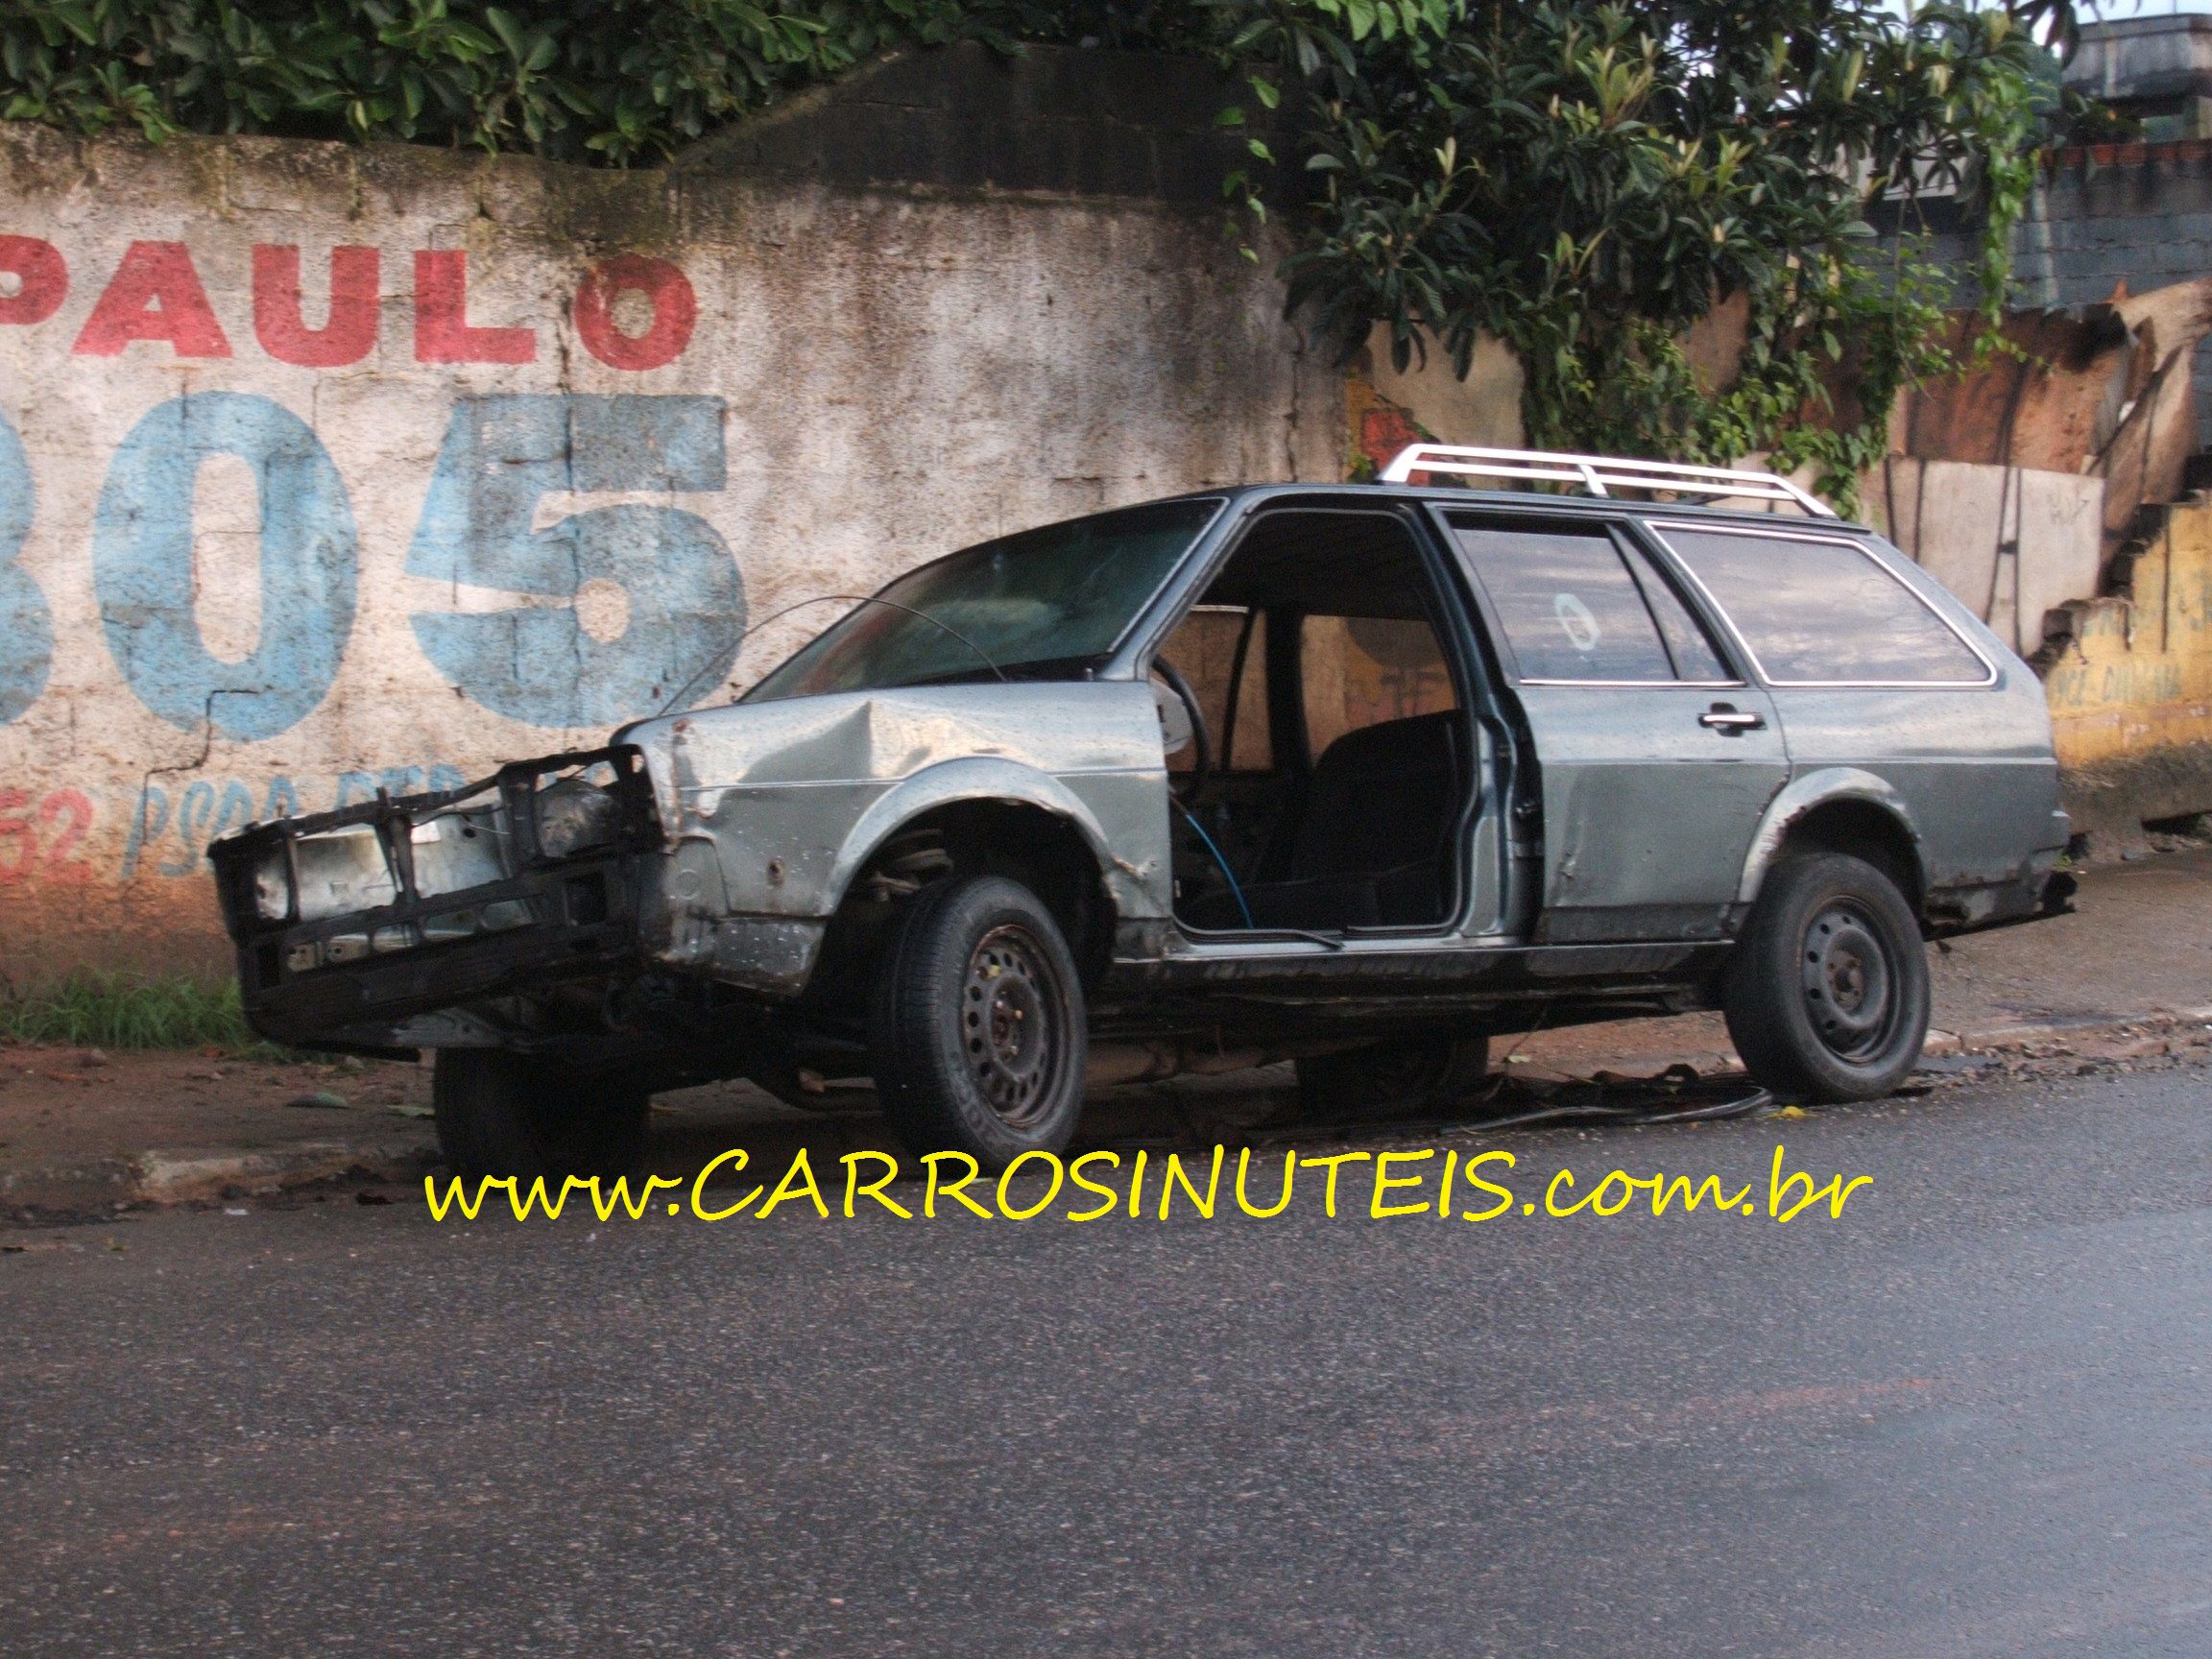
(2130, 686)
(324, 469)
(2012, 543)
(2100, 218)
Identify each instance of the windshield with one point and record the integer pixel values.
(1046, 604)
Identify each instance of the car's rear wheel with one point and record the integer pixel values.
(1433, 1073)
(977, 1024)
(501, 1115)
(1827, 992)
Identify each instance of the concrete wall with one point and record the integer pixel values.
(2130, 688)
(1427, 402)
(2155, 70)
(2104, 215)
(2139, 214)
(2013, 544)
(324, 470)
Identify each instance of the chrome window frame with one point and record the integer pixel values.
(1641, 685)
(1659, 527)
(1452, 533)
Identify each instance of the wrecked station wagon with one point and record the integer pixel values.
(1352, 776)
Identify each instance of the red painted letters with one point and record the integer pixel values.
(157, 294)
(154, 294)
(44, 279)
(675, 312)
(441, 330)
(350, 332)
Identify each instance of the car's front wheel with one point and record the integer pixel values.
(500, 1115)
(1827, 992)
(977, 1024)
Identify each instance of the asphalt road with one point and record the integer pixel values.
(1970, 1417)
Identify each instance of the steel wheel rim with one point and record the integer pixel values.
(1850, 981)
(1011, 1036)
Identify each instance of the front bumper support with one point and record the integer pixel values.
(562, 919)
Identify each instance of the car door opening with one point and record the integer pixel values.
(1330, 774)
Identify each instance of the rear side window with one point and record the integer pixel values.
(1823, 613)
(1573, 608)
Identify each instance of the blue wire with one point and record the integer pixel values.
(1234, 890)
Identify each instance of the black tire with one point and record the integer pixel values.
(1826, 994)
(976, 1025)
(499, 1115)
(1410, 1075)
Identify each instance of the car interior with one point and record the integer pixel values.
(1329, 770)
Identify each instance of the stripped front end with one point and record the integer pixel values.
(366, 927)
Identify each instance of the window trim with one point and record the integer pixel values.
(1610, 530)
(1659, 527)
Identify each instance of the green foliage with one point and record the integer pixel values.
(1584, 181)
(612, 81)
(96, 1010)
(1581, 178)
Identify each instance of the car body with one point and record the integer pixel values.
(1608, 718)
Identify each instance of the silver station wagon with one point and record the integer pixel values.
(1353, 775)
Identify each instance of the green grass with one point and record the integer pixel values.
(106, 1010)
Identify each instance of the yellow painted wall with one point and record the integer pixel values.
(2138, 675)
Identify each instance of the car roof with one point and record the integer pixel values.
(1519, 500)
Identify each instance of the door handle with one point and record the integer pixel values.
(1730, 721)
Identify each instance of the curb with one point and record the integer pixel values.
(172, 1178)
(1940, 1043)
(2060, 1030)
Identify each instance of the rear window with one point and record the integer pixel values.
(1824, 613)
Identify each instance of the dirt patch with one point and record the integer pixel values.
(90, 1113)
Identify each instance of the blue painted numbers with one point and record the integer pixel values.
(628, 608)
(542, 664)
(142, 566)
(26, 625)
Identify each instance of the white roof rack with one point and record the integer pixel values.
(1593, 472)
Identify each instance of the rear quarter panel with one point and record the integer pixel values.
(1971, 765)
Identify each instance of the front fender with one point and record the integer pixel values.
(1818, 789)
(1113, 815)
